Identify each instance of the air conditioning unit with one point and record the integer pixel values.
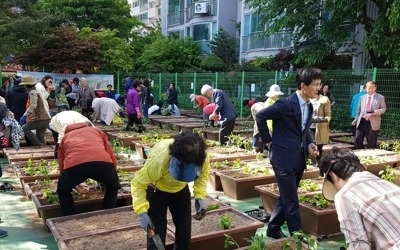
(201, 8)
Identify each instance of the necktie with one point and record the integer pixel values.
(368, 107)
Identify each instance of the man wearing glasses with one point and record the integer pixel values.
(368, 207)
(289, 147)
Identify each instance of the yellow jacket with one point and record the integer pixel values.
(155, 172)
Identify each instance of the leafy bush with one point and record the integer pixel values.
(213, 63)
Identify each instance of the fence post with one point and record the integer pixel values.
(118, 83)
(374, 74)
(216, 80)
(194, 86)
(276, 77)
(1, 75)
(241, 96)
(159, 84)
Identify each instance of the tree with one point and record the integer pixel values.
(213, 63)
(334, 18)
(114, 53)
(98, 15)
(21, 26)
(169, 55)
(225, 47)
(62, 50)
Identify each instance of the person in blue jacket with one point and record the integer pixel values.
(354, 106)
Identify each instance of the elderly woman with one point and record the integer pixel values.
(86, 96)
(36, 116)
(163, 184)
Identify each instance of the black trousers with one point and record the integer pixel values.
(103, 172)
(287, 206)
(180, 207)
(226, 130)
(133, 119)
(364, 130)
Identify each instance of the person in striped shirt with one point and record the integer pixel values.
(368, 207)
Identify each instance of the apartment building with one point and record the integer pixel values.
(200, 19)
(147, 11)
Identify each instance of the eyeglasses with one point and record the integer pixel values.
(318, 85)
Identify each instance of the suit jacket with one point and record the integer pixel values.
(378, 105)
(288, 137)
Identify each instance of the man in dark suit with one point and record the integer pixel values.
(289, 147)
(368, 119)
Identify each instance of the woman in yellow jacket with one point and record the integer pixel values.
(163, 183)
(321, 117)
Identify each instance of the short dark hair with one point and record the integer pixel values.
(307, 75)
(136, 83)
(342, 161)
(189, 147)
(109, 85)
(76, 79)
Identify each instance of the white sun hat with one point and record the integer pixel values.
(192, 97)
(205, 89)
(274, 90)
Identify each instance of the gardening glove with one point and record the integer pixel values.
(200, 206)
(22, 120)
(145, 222)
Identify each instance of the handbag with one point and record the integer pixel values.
(52, 103)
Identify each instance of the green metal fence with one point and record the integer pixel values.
(244, 85)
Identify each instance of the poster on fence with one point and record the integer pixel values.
(97, 82)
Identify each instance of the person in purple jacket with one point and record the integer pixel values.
(133, 107)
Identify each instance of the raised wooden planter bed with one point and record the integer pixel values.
(328, 147)
(222, 153)
(34, 156)
(25, 150)
(171, 124)
(103, 220)
(317, 222)
(213, 133)
(94, 203)
(188, 127)
(131, 237)
(339, 134)
(372, 152)
(379, 163)
(142, 149)
(207, 235)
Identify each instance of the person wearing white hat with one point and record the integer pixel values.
(273, 95)
(224, 109)
(368, 207)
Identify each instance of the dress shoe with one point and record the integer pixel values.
(275, 234)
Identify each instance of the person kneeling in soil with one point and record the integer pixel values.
(368, 207)
(84, 152)
(163, 183)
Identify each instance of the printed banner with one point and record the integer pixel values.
(97, 82)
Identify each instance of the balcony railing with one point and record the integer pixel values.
(275, 41)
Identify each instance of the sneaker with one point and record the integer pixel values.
(265, 153)
(254, 151)
(3, 233)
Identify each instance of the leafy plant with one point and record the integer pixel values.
(230, 241)
(239, 141)
(257, 242)
(51, 197)
(384, 146)
(390, 174)
(396, 147)
(309, 186)
(317, 201)
(300, 237)
(225, 221)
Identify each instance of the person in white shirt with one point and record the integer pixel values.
(104, 109)
(59, 123)
(44, 87)
(156, 109)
